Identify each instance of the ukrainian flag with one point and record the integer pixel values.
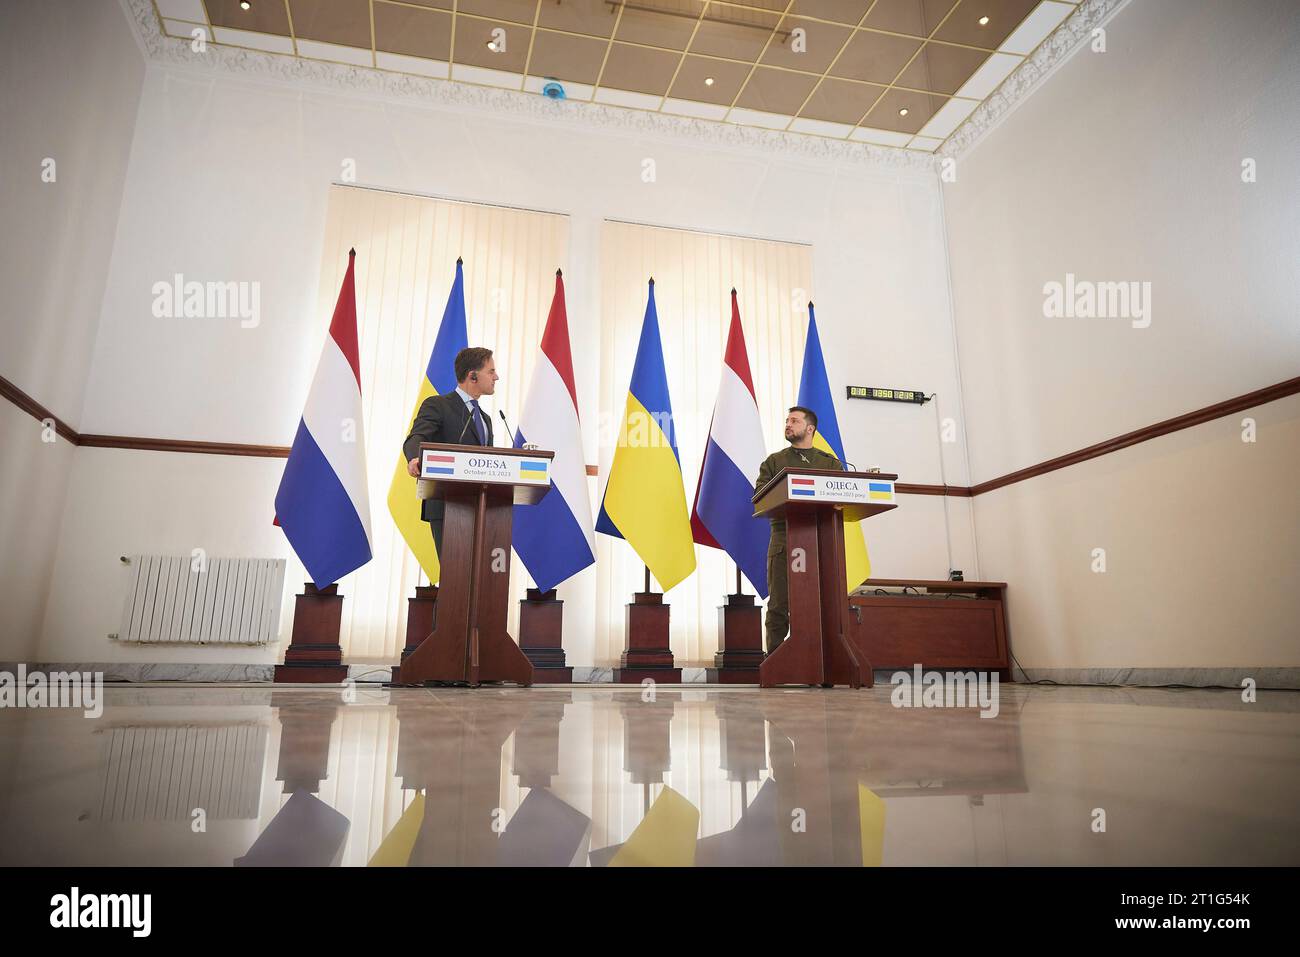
(815, 394)
(645, 499)
(439, 379)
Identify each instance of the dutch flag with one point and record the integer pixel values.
(723, 516)
(322, 503)
(554, 538)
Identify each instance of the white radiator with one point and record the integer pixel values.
(164, 773)
(230, 601)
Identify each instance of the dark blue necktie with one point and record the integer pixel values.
(478, 422)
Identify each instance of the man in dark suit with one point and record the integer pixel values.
(455, 418)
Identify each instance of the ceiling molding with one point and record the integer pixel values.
(1058, 47)
(437, 93)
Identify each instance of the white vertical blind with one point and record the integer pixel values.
(406, 261)
(694, 274)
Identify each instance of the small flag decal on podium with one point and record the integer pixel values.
(880, 490)
(440, 469)
(532, 470)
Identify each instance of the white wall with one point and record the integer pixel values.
(70, 82)
(1126, 165)
(228, 181)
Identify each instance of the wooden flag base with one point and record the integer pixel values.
(740, 642)
(541, 620)
(647, 654)
(314, 655)
(421, 613)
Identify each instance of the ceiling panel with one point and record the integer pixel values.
(942, 68)
(875, 57)
(565, 57)
(842, 101)
(591, 17)
(915, 17)
(260, 17)
(345, 22)
(820, 43)
(887, 114)
(660, 23)
(963, 25)
(406, 30)
(513, 11)
(473, 35)
(838, 11)
(638, 69)
(735, 33)
(691, 80)
(776, 91)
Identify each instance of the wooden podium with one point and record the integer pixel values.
(815, 503)
(469, 643)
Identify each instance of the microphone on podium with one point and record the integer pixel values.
(510, 435)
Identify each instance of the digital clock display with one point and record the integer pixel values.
(887, 395)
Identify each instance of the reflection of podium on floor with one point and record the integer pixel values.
(755, 839)
(667, 833)
(451, 750)
(305, 832)
(815, 504)
(480, 486)
(536, 758)
(824, 813)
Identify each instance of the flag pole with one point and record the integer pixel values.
(738, 591)
(647, 579)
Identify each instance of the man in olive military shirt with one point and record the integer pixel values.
(800, 426)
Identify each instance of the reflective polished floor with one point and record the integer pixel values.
(691, 776)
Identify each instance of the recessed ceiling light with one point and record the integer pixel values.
(984, 21)
(708, 81)
(903, 112)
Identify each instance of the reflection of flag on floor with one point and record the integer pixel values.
(723, 516)
(815, 394)
(439, 379)
(666, 836)
(871, 821)
(395, 849)
(554, 538)
(645, 501)
(305, 832)
(323, 503)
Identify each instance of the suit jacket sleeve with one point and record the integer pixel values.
(426, 427)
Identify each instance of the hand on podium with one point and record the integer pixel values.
(413, 467)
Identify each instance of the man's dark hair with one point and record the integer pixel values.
(471, 360)
(808, 414)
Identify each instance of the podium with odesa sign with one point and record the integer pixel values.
(469, 643)
(815, 504)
